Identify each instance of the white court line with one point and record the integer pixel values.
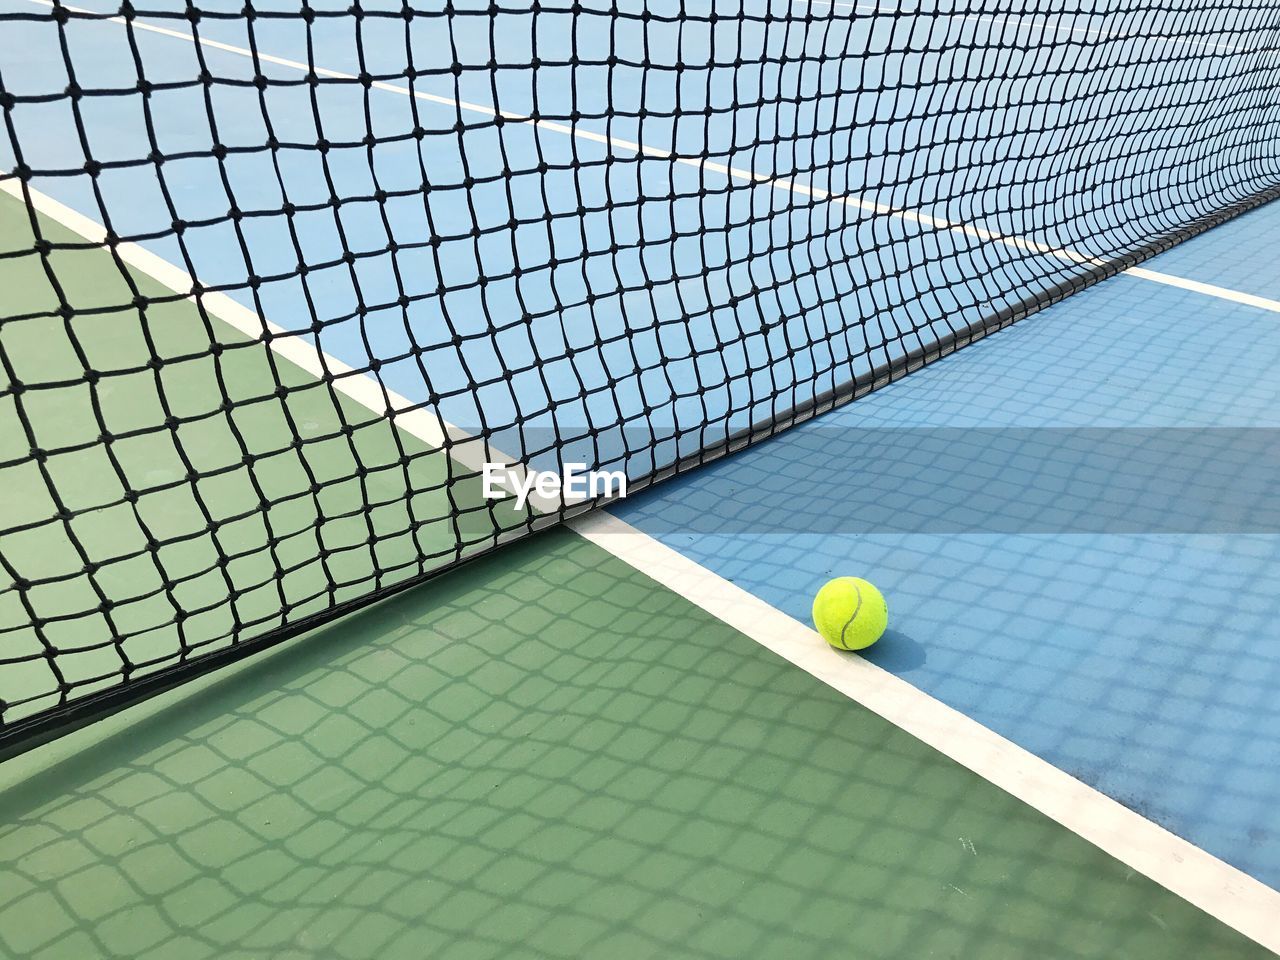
(1207, 289)
(468, 450)
(1222, 891)
(1202, 880)
(618, 144)
(1228, 894)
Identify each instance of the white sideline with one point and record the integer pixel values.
(1228, 894)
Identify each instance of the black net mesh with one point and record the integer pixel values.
(276, 280)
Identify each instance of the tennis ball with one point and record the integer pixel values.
(850, 613)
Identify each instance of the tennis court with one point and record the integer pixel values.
(277, 678)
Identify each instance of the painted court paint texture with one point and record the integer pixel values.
(492, 763)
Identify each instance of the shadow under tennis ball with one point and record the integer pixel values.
(896, 652)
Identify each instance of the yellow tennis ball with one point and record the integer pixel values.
(850, 613)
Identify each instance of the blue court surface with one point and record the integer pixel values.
(1144, 664)
(1074, 521)
(750, 268)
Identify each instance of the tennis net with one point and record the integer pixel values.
(278, 280)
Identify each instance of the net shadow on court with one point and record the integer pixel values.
(551, 755)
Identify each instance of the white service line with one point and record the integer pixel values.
(468, 450)
(627, 146)
(1230, 895)
(1207, 289)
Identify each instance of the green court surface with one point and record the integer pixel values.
(236, 520)
(540, 754)
(543, 754)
